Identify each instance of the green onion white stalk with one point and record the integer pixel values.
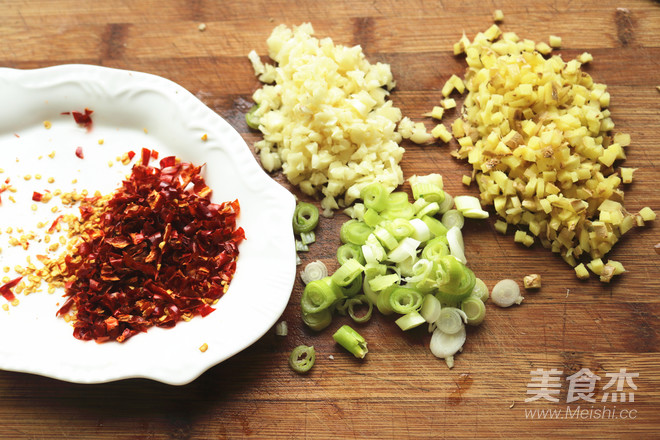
(506, 293)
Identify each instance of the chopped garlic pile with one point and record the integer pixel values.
(537, 132)
(325, 119)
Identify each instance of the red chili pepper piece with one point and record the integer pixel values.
(5, 289)
(146, 156)
(84, 119)
(79, 152)
(53, 226)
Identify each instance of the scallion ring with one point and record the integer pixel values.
(435, 248)
(353, 288)
(453, 217)
(404, 300)
(302, 358)
(356, 301)
(474, 309)
(451, 320)
(319, 295)
(317, 321)
(375, 196)
(314, 271)
(355, 232)
(431, 308)
(305, 217)
(480, 290)
(347, 272)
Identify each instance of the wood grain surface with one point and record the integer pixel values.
(400, 390)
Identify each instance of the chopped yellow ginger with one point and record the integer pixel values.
(540, 138)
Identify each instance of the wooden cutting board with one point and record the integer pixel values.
(400, 390)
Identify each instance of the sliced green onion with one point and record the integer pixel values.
(314, 271)
(455, 280)
(435, 248)
(375, 196)
(480, 290)
(307, 237)
(301, 247)
(453, 217)
(406, 266)
(506, 293)
(373, 270)
(319, 295)
(405, 300)
(410, 320)
(446, 204)
(353, 288)
(430, 209)
(384, 236)
(420, 204)
(371, 217)
(423, 268)
(431, 308)
(451, 320)
(421, 230)
(446, 345)
(435, 226)
(305, 217)
(281, 328)
(406, 248)
(318, 321)
(371, 294)
(349, 251)
(428, 191)
(474, 309)
(382, 282)
(383, 301)
(470, 207)
(351, 341)
(341, 306)
(456, 245)
(400, 228)
(475, 213)
(355, 232)
(358, 301)
(347, 272)
(302, 358)
(251, 118)
(397, 199)
(406, 211)
(372, 250)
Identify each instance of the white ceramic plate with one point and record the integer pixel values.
(131, 110)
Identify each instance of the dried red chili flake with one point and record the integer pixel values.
(5, 289)
(37, 196)
(53, 226)
(157, 252)
(79, 153)
(131, 155)
(84, 119)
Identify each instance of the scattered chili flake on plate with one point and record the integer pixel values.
(84, 119)
(79, 153)
(156, 252)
